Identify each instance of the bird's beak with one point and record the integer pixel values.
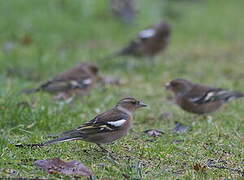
(142, 104)
(167, 86)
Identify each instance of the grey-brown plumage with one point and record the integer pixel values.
(149, 42)
(124, 9)
(105, 127)
(81, 78)
(200, 99)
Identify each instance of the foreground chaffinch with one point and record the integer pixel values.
(105, 127)
(79, 79)
(124, 9)
(149, 42)
(200, 99)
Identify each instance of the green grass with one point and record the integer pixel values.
(207, 46)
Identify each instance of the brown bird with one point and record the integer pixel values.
(105, 127)
(149, 42)
(124, 9)
(79, 79)
(200, 99)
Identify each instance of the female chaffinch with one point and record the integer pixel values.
(200, 99)
(79, 79)
(149, 42)
(105, 127)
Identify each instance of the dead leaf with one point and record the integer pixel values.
(26, 40)
(179, 128)
(199, 167)
(56, 166)
(154, 132)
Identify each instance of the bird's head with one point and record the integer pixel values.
(130, 104)
(179, 86)
(163, 28)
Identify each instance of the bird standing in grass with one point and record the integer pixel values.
(105, 127)
(200, 99)
(78, 80)
(149, 42)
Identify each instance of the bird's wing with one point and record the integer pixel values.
(146, 33)
(198, 93)
(204, 95)
(59, 85)
(63, 85)
(109, 121)
(139, 41)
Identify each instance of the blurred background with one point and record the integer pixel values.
(42, 38)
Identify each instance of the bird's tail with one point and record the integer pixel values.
(67, 136)
(61, 139)
(116, 54)
(232, 95)
(219, 95)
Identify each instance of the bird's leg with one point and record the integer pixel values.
(106, 151)
(103, 149)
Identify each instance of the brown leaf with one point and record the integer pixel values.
(56, 165)
(154, 132)
(26, 40)
(199, 168)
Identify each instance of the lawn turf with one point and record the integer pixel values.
(40, 39)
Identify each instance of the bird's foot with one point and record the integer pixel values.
(109, 153)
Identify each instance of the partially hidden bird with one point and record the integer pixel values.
(79, 79)
(148, 43)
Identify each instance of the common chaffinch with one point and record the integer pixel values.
(149, 42)
(79, 79)
(200, 99)
(124, 9)
(105, 127)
